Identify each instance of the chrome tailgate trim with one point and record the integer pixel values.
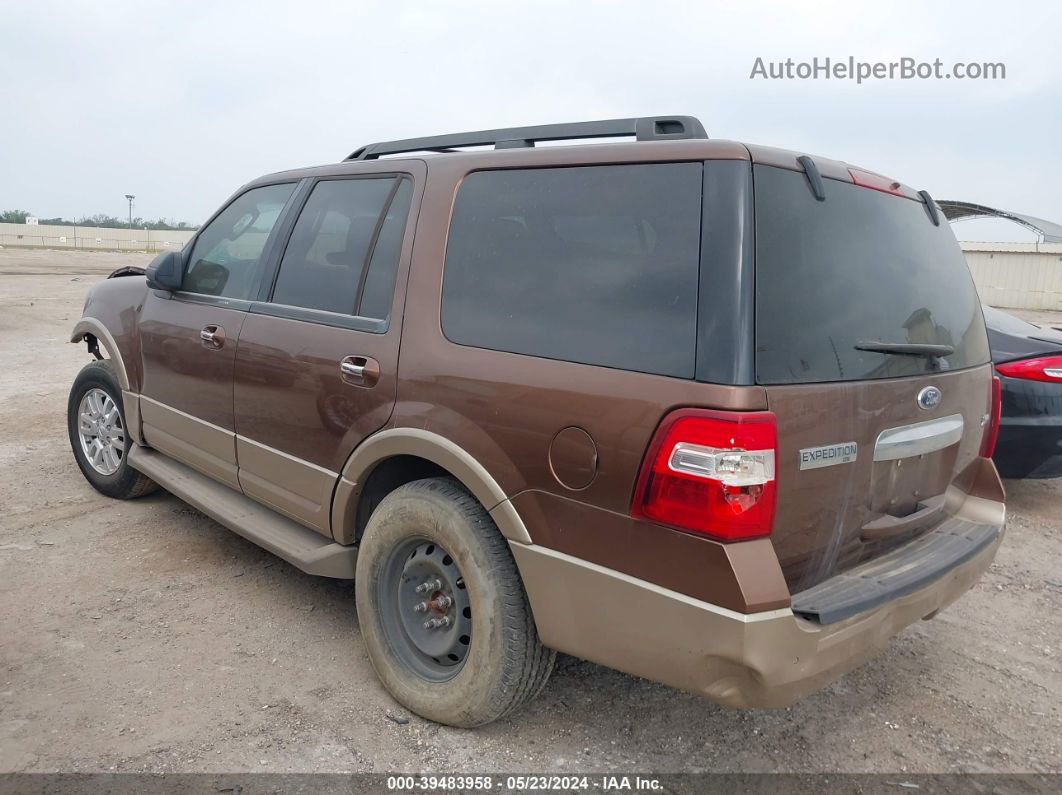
(918, 438)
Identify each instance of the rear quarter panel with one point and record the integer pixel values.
(506, 410)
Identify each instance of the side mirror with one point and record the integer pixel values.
(165, 272)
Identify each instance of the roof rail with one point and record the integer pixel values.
(647, 128)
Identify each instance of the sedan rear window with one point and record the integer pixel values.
(862, 269)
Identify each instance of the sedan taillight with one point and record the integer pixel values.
(1042, 368)
(710, 472)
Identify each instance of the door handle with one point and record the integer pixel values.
(351, 369)
(359, 370)
(212, 336)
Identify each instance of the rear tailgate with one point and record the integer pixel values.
(838, 506)
(869, 441)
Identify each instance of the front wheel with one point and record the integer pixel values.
(96, 423)
(442, 609)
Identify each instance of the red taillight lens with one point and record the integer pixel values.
(711, 472)
(1044, 368)
(988, 441)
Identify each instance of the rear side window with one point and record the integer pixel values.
(346, 229)
(861, 267)
(597, 265)
(226, 257)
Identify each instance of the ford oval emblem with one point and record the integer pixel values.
(928, 398)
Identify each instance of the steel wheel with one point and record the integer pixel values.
(99, 426)
(481, 658)
(429, 618)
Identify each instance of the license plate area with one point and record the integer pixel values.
(913, 463)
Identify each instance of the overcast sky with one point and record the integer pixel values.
(180, 103)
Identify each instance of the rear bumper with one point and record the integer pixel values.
(896, 573)
(768, 659)
(1029, 448)
(1030, 430)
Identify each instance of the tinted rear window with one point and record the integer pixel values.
(596, 264)
(323, 261)
(862, 266)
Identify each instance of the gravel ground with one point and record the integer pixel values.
(143, 636)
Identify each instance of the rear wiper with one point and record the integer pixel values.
(907, 348)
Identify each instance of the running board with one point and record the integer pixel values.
(285, 538)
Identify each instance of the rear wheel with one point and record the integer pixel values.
(96, 423)
(443, 612)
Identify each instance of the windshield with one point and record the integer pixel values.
(859, 286)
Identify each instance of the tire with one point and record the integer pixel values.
(502, 662)
(124, 483)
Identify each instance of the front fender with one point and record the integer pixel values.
(110, 316)
(91, 326)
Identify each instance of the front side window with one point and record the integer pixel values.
(226, 257)
(345, 230)
(597, 265)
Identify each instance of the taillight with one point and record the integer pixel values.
(988, 441)
(1044, 368)
(710, 472)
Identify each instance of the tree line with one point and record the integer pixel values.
(100, 220)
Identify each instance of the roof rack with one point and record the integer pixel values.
(647, 128)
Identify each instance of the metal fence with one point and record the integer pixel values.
(91, 238)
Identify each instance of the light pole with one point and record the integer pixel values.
(130, 197)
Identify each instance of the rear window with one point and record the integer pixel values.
(597, 265)
(860, 267)
(338, 230)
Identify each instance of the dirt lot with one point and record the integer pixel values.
(142, 636)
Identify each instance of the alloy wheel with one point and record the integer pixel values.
(99, 427)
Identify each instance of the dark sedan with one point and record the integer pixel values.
(1028, 360)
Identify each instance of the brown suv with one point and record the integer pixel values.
(713, 414)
